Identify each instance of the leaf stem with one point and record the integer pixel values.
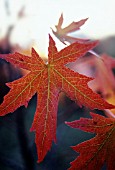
(94, 53)
(108, 113)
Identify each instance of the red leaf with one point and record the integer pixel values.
(100, 149)
(48, 80)
(61, 33)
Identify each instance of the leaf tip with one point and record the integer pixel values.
(96, 42)
(68, 123)
(86, 18)
(62, 14)
(39, 160)
(50, 38)
(50, 35)
(32, 50)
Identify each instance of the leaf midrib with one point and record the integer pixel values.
(101, 146)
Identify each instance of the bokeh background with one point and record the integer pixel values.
(39, 15)
(27, 23)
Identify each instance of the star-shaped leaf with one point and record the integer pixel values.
(48, 80)
(62, 33)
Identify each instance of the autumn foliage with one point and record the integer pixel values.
(99, 149)
(48, 79)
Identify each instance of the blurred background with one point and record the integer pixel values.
(32, 19)
(27, 23)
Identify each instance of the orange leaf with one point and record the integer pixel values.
(48, 80)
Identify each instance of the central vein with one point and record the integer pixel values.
(47, 104)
